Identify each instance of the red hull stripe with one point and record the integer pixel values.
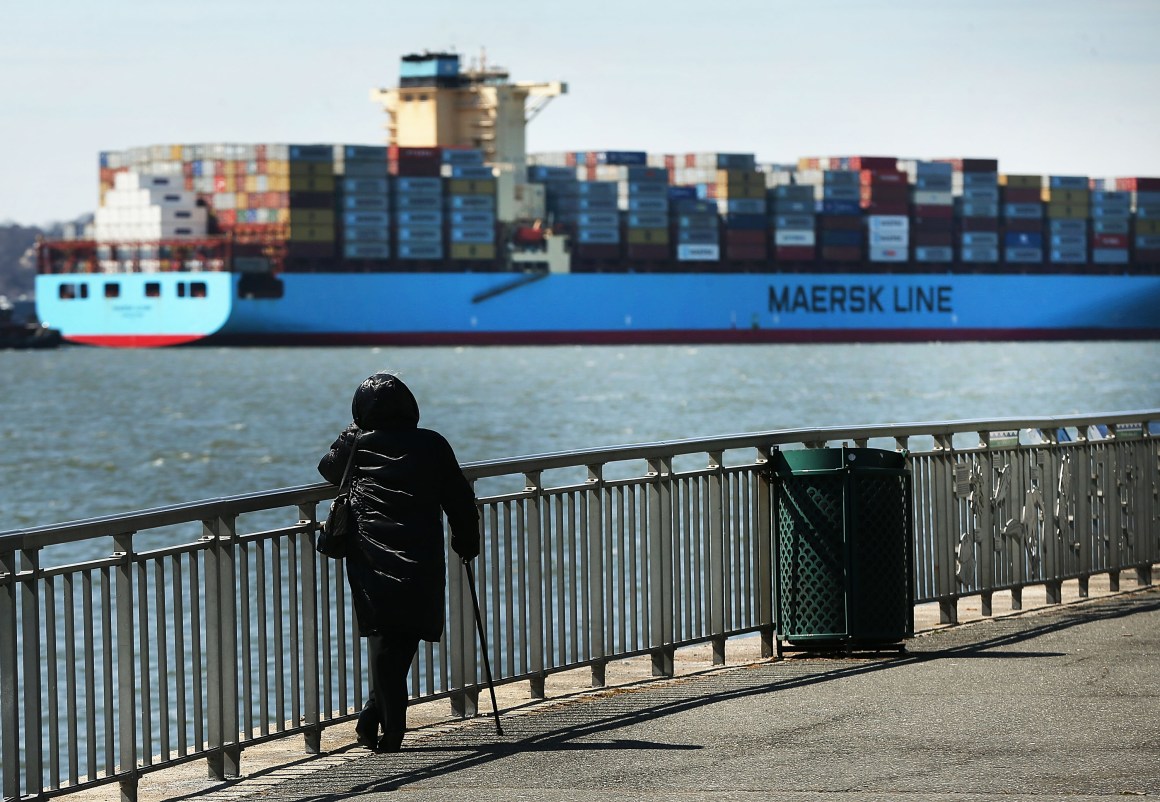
(134, 340)
(684, 337)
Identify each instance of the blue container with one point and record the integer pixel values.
(420, 234)
(980, 254)
(654, 189)
(783, 206)
(375, 153)
(1103, 197)
(622, 157)
(365, 202)
(1110, 256)
(482, 218)
(681, 193)
(366, 250)
(1068, 227)
(1023, 211)
(409, 202)
(543, 173)
(657, 175)
(420, 250)
(736, 161)
(941, 253)
(934, 169)
(599, 219)
(795, 222)
(980, 209)
(1023, 239)
(596, 205)
(745, 206)
(980, 180)
(1068, 241)
(412, 185)
(473, 234)
(420, 219)
(657, 203)
(842, 193)
(196, 166)
(1023, 255)
(367, 218)
(473, 172)
(841, 207)
(462, 157)
(1069, 256)
(933, 183)
(366, 234)
(365, 186)
(687, 206)
(311, 153)
(987, 238)
(475, 203)
(697, 236)
(1068, 182)
(598, 236)
(1106, 226)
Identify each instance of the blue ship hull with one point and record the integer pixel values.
(505, 308)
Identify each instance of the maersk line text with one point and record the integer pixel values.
(860, 298)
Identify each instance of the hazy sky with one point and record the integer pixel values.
(1045, 86)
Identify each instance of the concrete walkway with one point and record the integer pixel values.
(1059, 703)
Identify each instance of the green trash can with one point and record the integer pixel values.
(844, 555)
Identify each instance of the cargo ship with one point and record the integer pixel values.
(451, 233)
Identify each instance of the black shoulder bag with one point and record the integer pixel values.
(340, 527)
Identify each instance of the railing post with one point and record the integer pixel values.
(596, 579)
(9, 668)
(1051, 558)
(533, 487)
(126, 679)
(944, 537)
(221, 650)
(308, 594)
(661, 567)
(765, 564)
(717, 563)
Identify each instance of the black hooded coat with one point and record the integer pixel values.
(403, 480)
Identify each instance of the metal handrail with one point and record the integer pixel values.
(134, 659)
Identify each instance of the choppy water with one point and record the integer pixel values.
(88, 432)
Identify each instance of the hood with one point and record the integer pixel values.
(382, 401)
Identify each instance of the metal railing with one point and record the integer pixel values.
(133, 642)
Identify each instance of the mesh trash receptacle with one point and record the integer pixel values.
(843, 538)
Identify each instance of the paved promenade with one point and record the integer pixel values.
(1058, 703)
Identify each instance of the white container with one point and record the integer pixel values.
(886, 253)
(888, 222)
(698, 253)
(889, 239)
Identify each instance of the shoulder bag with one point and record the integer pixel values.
(340, 527)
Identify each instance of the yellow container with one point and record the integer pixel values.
(1067, 195)
(464, 186)
(251, 183)
(277, 168)
(1148, 228)
(278, 183)
(305, 183)
(1065, 211)
(176, 153)
(241, 201)
(311, 233)
(1021, 181)
(648, 236)
(310, 169)
(740, 178)
(283, 216)
(311, 217)
(472, 250)
(741, 191)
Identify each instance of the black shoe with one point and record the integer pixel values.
(390, 742)
(366, 730)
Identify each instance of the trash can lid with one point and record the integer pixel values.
(837, 459)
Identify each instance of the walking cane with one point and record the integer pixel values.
(483, 644)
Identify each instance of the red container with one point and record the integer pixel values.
(1020, 195)
(1138, 184)
(415, 168)
(795, 253)
(260, 152)
(648, 253)
(927, 210)
(746, 253)
(840, 222)
(887, 207)
(980, 223)
(420, 154)
(219, 183)
(887, 193)
(226, 217)
(670, 162)
(1017, 224)
(735, 236)
(1110, 240)
(928, 239)
(874, 163)
(979, 165)
(891, 177)
(841, 253)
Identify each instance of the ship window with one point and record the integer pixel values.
(197, 289)
(181, 289)
(112, 290)
(152, 289)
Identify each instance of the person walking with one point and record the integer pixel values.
(403, 480)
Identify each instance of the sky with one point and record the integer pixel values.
(1064, 87)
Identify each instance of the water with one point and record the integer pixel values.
(90, 432)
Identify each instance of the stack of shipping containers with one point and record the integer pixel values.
(840, 222)
(793, 212)
(1146, 199)
(643, 198)
(976, 182)
(418, 205)
(1068, 201)
(1022, 219)
(697, 228)
(742, 203)
(932, 208)
(471, 206)
(885, 197)
(1111, 213)
(364, 202)
(311, 235)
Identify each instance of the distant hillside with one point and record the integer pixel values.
(17, 259)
